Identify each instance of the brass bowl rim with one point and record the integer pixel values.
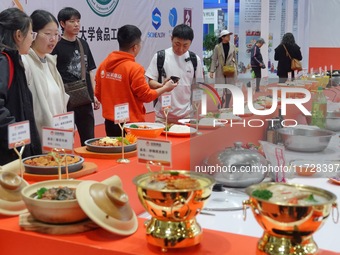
(331, 197)
(136, 180)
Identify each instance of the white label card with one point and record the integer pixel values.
(253, 83)
(64, 121)
(57, 138)
(19, 132)
(122, 113)
(197, 95)
(156, 151)
(166, 100)
(289, 76)
(265, 81)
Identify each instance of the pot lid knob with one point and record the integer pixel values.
(10, 181)
(238, 145)
(117, 195)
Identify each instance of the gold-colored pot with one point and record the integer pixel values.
(173, 223)
(288, 228)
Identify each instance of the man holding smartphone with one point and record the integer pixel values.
(177, 62)
(120, 79)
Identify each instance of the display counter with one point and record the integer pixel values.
(222, 235)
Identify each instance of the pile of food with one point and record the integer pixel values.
(139, 126)
(288, 195)
(266, 101)
(60, 193)
(172, 181)
(175, 128)
(48, 160)
(115, 141)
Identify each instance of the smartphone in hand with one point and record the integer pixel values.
(175, 79)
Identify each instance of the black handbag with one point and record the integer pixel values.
(77, 90)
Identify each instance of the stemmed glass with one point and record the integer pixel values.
(19, 153)
(166, 112)
(123, 160)
(196, 106)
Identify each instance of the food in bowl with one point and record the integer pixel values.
(288, 195)
(48, 160)
(55, 193)
(173, 211)
(289, 215)
(179, 129)
(144, 129)
(53, 211)
(115, 141)
(139, 126)
(47, 165)
(172, 181)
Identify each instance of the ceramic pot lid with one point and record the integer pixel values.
(11, 202)
(108, 206)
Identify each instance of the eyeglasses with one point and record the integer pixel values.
(34, 35)
(51, 36)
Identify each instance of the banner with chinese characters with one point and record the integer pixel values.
(100, 21)
(250, 31)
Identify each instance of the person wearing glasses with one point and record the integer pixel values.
(69, 66)
(16, 103)
(42, 75)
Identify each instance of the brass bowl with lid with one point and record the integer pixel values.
(173, 211)
(289, 226)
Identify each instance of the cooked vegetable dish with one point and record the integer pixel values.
(139, 126)
(59, 193)
(288, 195)
(115, 141)
(172, 181)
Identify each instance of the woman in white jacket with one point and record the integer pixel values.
(44, 80)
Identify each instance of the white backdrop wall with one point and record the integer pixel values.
(101, 31)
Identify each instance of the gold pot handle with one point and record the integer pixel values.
(180, 201)
(245, 204)
(335, 212)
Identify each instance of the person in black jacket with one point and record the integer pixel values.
(69, 67)
(16, 104)
(256, 61)
(284, 62)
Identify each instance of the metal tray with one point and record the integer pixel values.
(52, 170)
(108, 149)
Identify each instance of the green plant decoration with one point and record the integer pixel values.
(209, 42)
